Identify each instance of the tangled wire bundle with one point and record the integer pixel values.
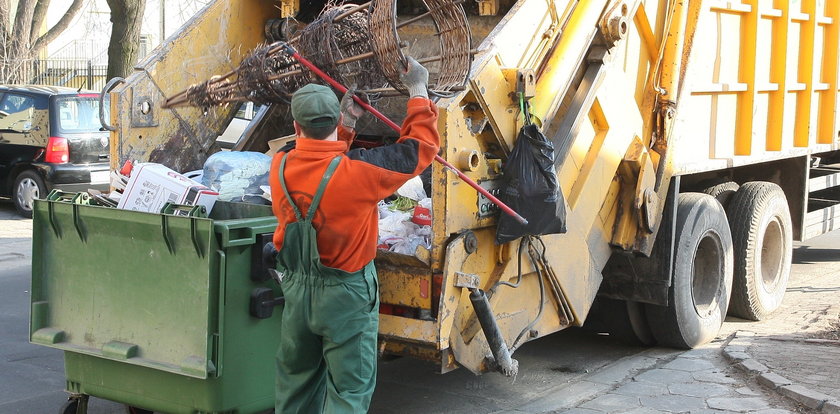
(353, 45)
(453, 32)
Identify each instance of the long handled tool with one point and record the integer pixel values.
(292, 52)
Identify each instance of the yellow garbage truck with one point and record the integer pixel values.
(694, 141)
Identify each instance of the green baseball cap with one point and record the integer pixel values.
(315, 102)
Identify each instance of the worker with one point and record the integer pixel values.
(325, 199)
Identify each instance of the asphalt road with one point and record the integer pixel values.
(32, 378)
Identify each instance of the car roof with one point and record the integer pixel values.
(44, 89)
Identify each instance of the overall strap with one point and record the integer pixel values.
(320, 192)
(285, 190)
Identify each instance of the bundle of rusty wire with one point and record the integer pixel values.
(338, 41)
(255, 82)
(352, 45)
(453, 32)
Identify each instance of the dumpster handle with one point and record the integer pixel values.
(167, 238)
(77, 223)
(195, 238)
(53, 221)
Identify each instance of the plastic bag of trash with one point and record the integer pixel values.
(413, 189)
(402, 231)
(530, 188)
(237, 176)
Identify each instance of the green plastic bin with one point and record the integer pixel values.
(152, 310)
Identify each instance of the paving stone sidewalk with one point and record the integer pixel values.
(773, 366)
(698, 381)
(782, 352)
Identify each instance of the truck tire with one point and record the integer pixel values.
(723, 192)
(702, 277)
(28, 187)
(763, 245)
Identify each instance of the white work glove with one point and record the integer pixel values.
(350, 110)
(415, 79)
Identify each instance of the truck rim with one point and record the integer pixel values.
(707, 274)
(27, 193)
(772, 253)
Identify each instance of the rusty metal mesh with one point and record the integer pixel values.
(453, 32)
(356, 47)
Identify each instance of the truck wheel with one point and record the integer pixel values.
(723, 192)
(702, 279)
(27, 188)
(763, 244)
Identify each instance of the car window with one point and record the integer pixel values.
(16, 112)
(78, 114)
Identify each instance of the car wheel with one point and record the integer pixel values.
(28, 187)
(702, 275)
(762, 238)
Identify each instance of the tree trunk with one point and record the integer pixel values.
(5, 41)
(18, 49)
(126, 19)
(38, 17)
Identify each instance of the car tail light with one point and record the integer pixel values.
(57, 151)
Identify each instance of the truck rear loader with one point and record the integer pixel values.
(694, 141)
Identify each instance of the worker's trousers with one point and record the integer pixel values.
(326, 361)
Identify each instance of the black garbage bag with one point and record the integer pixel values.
(530, 188)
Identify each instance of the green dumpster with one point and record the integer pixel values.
(154, 310)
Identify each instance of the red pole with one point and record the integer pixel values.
(291, 51)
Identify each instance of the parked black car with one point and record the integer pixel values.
(50, 137)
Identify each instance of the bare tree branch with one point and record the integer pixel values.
(38, 17)
(59, 27)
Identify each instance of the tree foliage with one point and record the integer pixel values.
(21, 39)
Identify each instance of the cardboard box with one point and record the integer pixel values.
(151, 186)
(275, 144)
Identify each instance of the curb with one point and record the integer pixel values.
(736, 352)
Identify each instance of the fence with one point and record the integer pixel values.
(71, 73)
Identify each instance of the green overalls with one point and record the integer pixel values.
(326, 361)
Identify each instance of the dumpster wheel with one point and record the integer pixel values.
(134, 410)
(76, 404)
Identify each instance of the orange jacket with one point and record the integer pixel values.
(347, 220)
